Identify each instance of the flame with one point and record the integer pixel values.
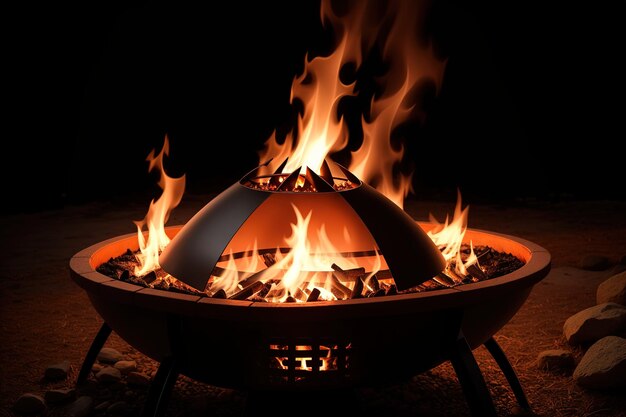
(320, 132)
(307, 265)
(449, 237)
(158, 214)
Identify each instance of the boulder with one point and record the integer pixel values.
(81, 407)
(57, 396)
(109, 375)
(29, 404)
(613, 290)
(57, 370)
(604, 365)
(595, 323)
(126, 366)
(110, 355)
(555, 360)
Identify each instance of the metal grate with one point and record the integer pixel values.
(307, 361)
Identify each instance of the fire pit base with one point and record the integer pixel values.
(459, 353)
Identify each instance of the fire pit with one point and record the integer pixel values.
(236, 344)
(264, 308)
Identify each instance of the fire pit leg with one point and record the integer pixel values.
(161, 388)
(92, 353)
(165, 378)
(505, 366)
(471, 379)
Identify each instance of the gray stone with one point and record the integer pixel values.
(594, 262)
(58, 370)
(555, 360)
(613, 290)
(109, 374)
(57, 396)
(29, 404)
(138, 379)
(110, 355)
(604, 365)
(81, 407)
(126, 366)
(595, 323)
(120, 408)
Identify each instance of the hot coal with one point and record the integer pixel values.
(491, 264)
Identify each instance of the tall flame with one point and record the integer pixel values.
(158, 214)
(321, 132)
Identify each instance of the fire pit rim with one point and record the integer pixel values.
(84, 274)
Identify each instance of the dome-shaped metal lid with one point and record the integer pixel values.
(246, 213)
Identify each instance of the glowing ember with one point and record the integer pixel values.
(158, 213)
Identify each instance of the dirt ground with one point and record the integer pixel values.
(46, 318)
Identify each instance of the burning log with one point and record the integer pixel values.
(338, 289)
(220, 294)
(348, 274)
(373, 283)
(269, 259)
(149, 278)
(443, 279)
(379, 293)
(475, 271)
(393, 290)
(314, 296)
(358, 288)
(247, 291)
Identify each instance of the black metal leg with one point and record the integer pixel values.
(505, 366)
(161, 388)
(92, 354)
(471, 379)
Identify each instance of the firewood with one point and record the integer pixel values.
(358, 289)
(393, 290)
(373, 283)
(247, 291)
(315, 294)
(149, 278)
(220, 294)
(339, 287)
(348, 274)
(269, 259)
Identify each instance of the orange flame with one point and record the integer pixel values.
(320, 132)
(158, 214)
(449, 238)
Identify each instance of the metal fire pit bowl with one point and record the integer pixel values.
(235, 344)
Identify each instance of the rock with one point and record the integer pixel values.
(102, 406)
(594, 262)
(120, 408)
(96, 368)
(58, 396)
(595, 323)
(126, 366)
(110, 355)
(555, 360)
(57, 371)
(613, 290)
(29, 404)
(109, 374)
(604, 365)
(81, 407)
(138, 379)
